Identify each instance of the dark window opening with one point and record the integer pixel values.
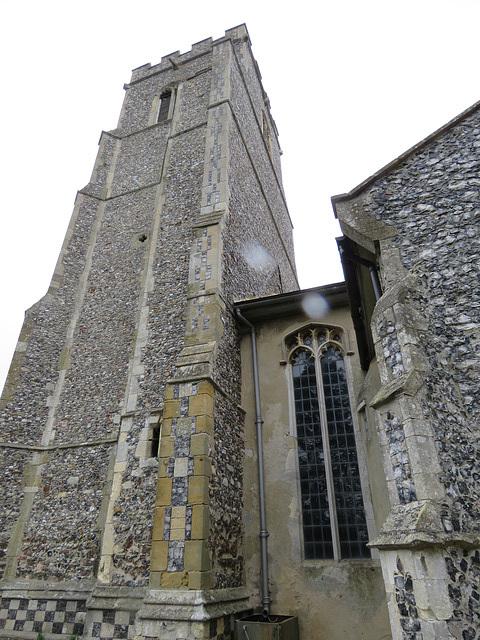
(165, 99)
(155, 441)
(334, 523)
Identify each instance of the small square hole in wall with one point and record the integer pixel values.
(140, 239)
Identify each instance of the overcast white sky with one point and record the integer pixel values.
(352, 85)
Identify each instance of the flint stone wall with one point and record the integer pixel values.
(431, 200)
(102, 311)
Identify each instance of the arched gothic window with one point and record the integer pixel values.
(334, 523)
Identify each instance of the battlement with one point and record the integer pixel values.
(199, 48)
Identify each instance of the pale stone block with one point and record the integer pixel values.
(200, 522)
(105, 568)
(206, 387)
(197, 557)
(200, 580)
(172, 409)
(181, 467)
(423, 454)
(202, 466)
(204, 424)
(155, 579)
(142, 449)
(116, 485)
(198, 490)
(159, 555)
(177, 534)
(174, 580)
(126, 425)
(185, 390)
(122, 452)
(417, 427)
(435, 630)
(158, 523)
(201, 405)
(164, 492)
(167, 447)
(138, 369)
(200, 444)
(132, 402)
(178, 522)
(179, 512)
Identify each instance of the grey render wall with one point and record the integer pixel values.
(332, 599)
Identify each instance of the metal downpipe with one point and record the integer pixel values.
(375, 282)
(261, 479)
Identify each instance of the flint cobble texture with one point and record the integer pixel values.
(432, 200)
(61, 538)
(226, 488)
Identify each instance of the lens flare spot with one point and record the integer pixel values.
(315, 305)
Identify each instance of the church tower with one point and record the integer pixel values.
(121, 429)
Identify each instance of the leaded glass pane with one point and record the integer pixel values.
(316, 516)
(352, 527)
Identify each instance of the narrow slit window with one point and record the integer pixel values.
(155, 441)
(164, 109)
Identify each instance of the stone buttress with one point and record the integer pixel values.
(121, 427)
